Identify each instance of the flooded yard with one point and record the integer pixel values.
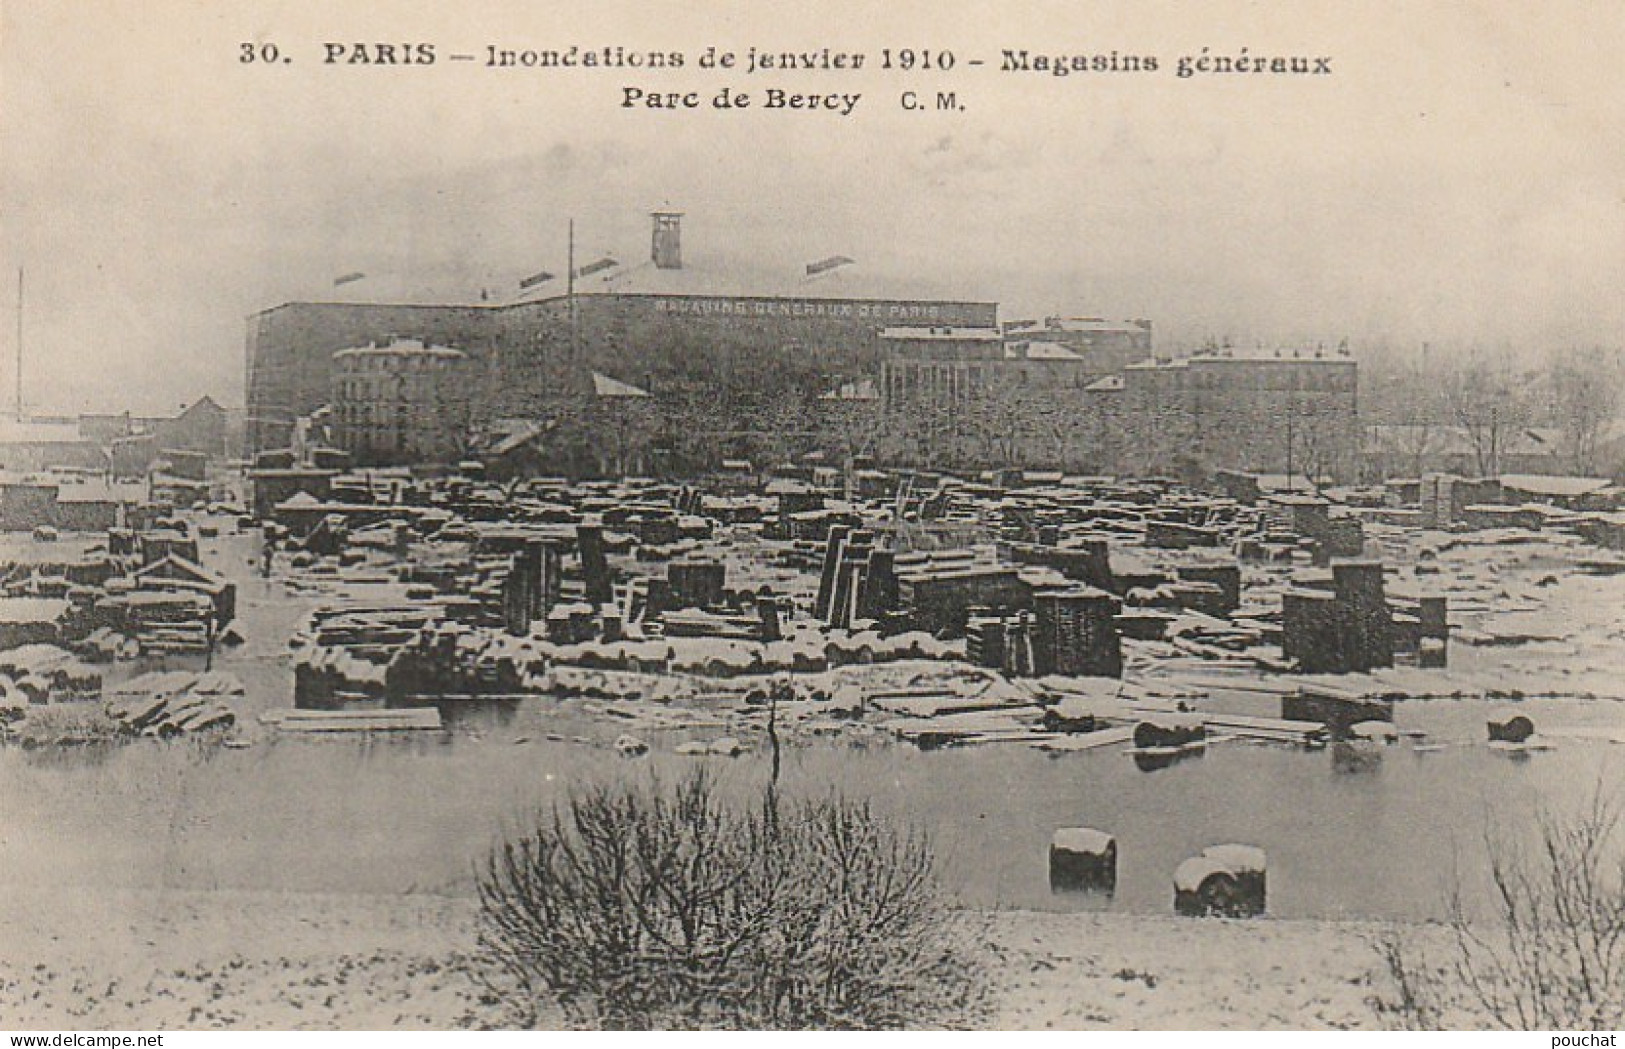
(399, 815)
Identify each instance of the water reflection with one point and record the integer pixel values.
(1357, 756)
(389, 812)
(1153, 759)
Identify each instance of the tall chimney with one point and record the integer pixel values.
(667, 250)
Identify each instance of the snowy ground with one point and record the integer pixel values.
(105, 959)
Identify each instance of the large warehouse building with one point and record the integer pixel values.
(759, 368)
(663, 325)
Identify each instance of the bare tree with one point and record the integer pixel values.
(1490, 401)
(1423, 407)
(1549, 955)
(783, 423)
(642, 906)
(627, 427)
(688, 426)
(1057, 422)
(1585, 391)
(850, 427)
(1000, 417)
(1420, 441)
(1320, 441)
(923, 429)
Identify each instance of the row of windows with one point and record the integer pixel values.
(415, 363)
(1339, 380)
(396, 388)
(961, 381)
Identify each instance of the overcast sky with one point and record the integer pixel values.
(1459, 178)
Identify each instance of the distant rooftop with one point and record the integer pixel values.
(1250, 357)
(604, 386)
(1553, 485)
(1039, 350)
(631, 273)
(715, 281)
(1080, 324)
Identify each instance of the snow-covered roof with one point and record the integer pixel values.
(1039, 350)
(401, 348)
(604, 386)
(1553, 485)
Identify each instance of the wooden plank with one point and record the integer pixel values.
(370, 726)
(966, 723)
(427, 716)
(273, 717)
(1013, 736)
(1264, 728)
(381, 720)
(1079, 741)
(941, 704)
(1353, 688)
(904, 693)
(1239, 684)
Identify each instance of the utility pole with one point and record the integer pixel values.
(19, 344)
(1291, 410)
(570, 295)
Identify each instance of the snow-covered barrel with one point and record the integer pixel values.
(631, 746)
(1224, 880)
(1084, 713)
(1515, 729)
(1374, 732)
(1169, 730)
(1082, 859)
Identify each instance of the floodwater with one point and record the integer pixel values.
(390, 815)
(415, 813)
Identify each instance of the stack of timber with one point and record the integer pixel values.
(171, 703)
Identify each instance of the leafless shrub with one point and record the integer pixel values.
(1550, 955)
(643, 907)
(59, 723)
